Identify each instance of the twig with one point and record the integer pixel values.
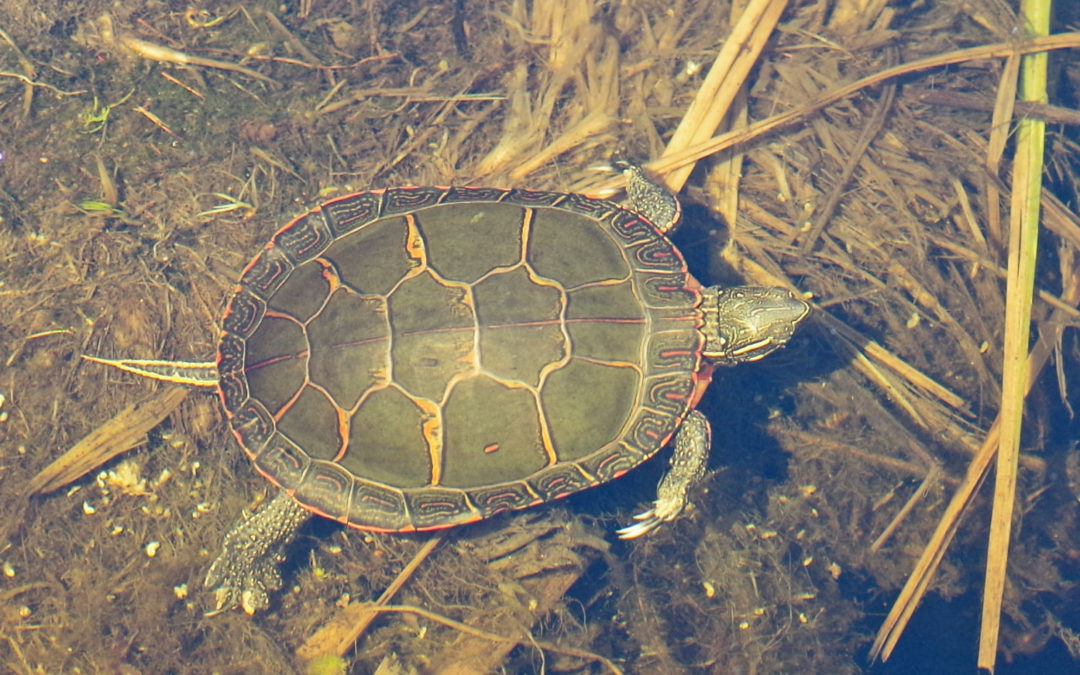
(340, 634)
(33, 83)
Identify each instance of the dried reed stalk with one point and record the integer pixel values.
(1023, 249)
(724, 80)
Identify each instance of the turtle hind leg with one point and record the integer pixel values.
(687, 468)
(246, 569)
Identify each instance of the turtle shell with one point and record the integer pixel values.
(417, 358)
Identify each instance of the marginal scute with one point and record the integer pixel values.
(267, 272)
(233, 388)
(588, 206)
(657, 254)
(670, 394)
(244, 314)
(304, 238)
(534, 198)
(253, 426)
(437, 507)
(474, 194)
(231, 350)
(378, 507)
(560, 481)
(668, 289)
(282, 461)
(504, 497)
(407, 200)
(676, 352)
(612, 461)
(327, 489)
(630, 228)
(349, 213)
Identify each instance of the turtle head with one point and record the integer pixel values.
(746, 323)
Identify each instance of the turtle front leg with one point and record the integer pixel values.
(687, 468)
(246, 569)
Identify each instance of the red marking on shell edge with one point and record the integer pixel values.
(563, 495)
(675, 352)
(386, 530)
(490, 448)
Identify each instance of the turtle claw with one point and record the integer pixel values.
(662, 511)
(241, 584)
(646, 522)
(250, 600)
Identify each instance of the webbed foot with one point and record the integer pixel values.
(687, 469)
(245, 572)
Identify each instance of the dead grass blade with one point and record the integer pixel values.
(120, 433)
(1000, 129)
(869, 132)
(535, 100)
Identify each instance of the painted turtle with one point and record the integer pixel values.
(418, 358)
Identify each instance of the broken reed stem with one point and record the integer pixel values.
(1023, 247)
(727, 75)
